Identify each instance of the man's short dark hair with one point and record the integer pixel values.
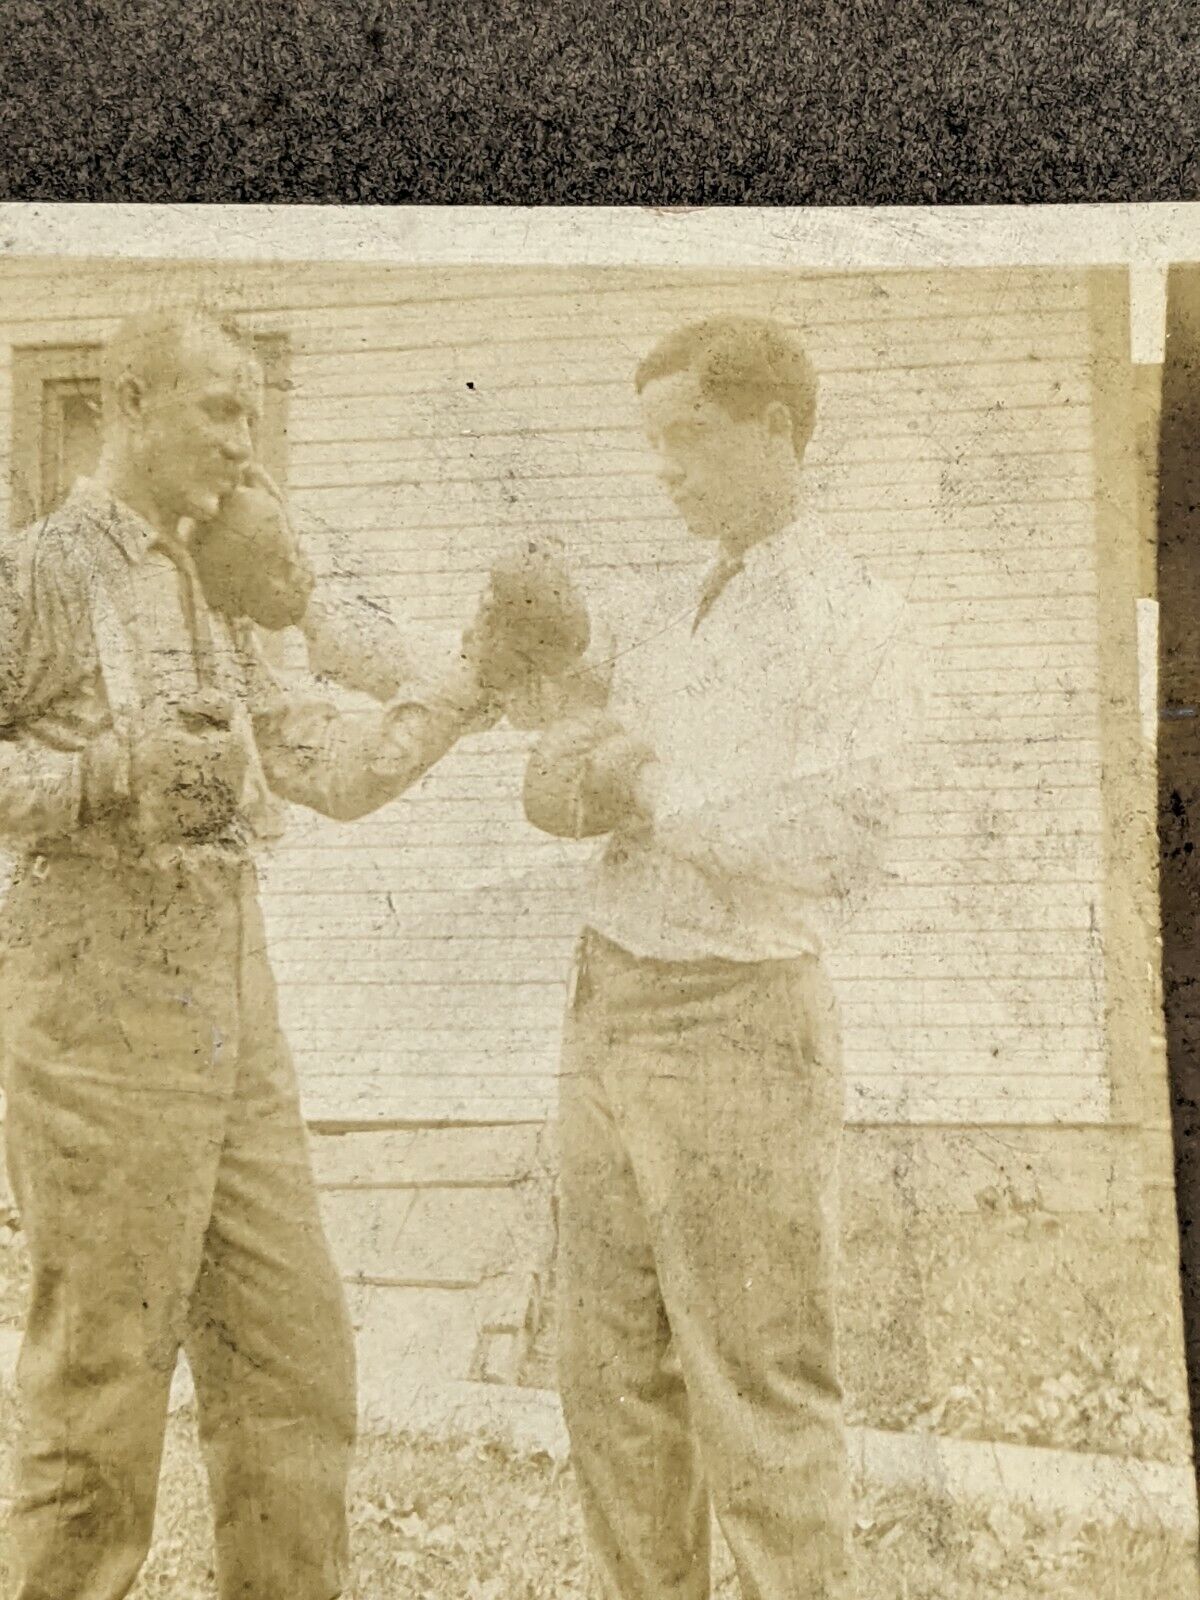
(744, 363)
(148, 344)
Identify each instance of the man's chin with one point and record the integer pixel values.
(703, 529)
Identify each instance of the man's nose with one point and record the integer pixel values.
(671, 474)
(238, 445)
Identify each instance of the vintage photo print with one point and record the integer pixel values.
(580, 988)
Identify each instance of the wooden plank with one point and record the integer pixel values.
(429, 1099)
(934, 1099)
(1019, 402)
(968, 968)
(470, 1234)
(448, 870)
(1045, 877)
(924, 1099)
(911, 361)
(1046, 811)
(585, 336)
(493, 1034)
(959, 722)
(1046, 1000)
(1047, 944)
(974, 1058)
(411, 334)
(620, 539)
(974, 601)
(1004, 373)
(346, 282)
(983, 850)
(436, 1238)
(330, 922)
(474, 1158)
(971, 1033)
(420, 945)
(983, 821)
(405, 1332)
(419, 500)
(1069, 904)
(413, 1060)
(999, 1064)
(1033, 770)
(835, 448)
(498, 321)
(937, 1170)
(388, 558)
(365, 1230)
(322, 425)
(362, 973)
(397, 1010)
(862, 941)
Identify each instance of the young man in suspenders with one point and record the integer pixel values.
(155, 1143)
(744, 772)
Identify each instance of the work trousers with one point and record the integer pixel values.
(701, 1107)
(161, 1172)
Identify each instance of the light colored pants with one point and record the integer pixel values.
(161, 1171)
(701, 1108)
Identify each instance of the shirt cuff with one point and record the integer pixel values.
(418, 727)
(456, 697)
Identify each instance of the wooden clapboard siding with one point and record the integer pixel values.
(437, 415)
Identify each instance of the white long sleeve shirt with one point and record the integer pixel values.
(783, 723)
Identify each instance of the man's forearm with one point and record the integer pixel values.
(345, 765)
(357, 646)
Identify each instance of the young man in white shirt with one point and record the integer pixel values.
(745, 770)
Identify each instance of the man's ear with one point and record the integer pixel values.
(129, 397)
(778, 420)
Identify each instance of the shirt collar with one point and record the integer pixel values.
(798, 549)
(129, 531)
(802, 544)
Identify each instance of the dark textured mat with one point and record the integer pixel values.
(586, 101)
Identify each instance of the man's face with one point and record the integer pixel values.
(718, 469)
(192, 424)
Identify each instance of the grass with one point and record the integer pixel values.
(1034, 1330)
(1004, 1343)
(436, 1520)
(1037, 1330)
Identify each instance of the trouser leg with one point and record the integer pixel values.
(114, 1124)
(724, 1088)
(270, 1343)
(644, 1504)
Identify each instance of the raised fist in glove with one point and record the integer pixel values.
(249, 559)
(582, 777)
(186, 771)
(531, 623)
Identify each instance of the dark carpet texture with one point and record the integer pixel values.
(585, 101)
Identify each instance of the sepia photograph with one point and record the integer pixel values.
(581, 1000)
